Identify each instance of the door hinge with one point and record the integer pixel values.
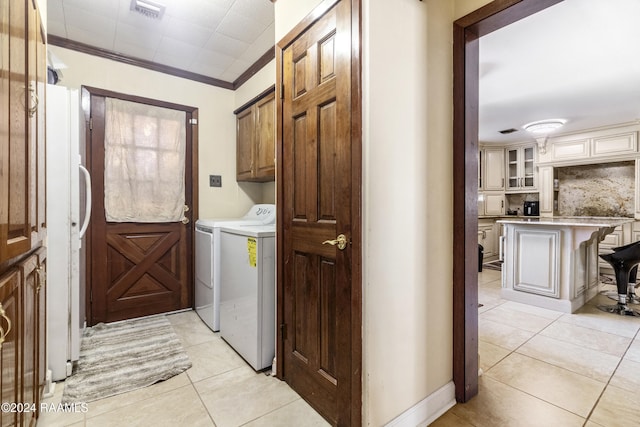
(91, 123)
(283, 331)
(282, 92)
(193, 121)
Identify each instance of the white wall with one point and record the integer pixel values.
(289, 12)
(216, 126)
(260, 81)
(407, 207)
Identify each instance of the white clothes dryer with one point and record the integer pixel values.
(207, 259)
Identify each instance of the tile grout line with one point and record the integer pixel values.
(595, 405)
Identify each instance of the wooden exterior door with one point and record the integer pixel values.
(320, 299)
(136, 269)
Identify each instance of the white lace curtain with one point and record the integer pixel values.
(144, 162)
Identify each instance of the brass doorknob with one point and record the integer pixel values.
(340, 241)
(185, 220)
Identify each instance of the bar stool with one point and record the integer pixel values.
(623, 260)
(632, 298)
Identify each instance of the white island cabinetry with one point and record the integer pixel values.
(553, 262)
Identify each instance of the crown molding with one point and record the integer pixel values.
(107, 54)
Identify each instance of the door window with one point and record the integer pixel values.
(144, 168)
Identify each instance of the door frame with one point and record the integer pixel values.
(191, 181)
(356, 195)
(466, 33)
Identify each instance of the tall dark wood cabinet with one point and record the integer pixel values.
(22, 210)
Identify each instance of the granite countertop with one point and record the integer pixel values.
(592, 221)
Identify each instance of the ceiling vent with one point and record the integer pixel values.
(508, 131)
(148, 9)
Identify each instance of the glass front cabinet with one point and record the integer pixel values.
(521, 176)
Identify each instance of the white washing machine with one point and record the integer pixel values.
(207, 259)
(247, 292)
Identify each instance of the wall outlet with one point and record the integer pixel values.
(215, 180)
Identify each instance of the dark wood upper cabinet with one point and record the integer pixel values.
(255, 139)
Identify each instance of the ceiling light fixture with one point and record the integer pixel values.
(544, 126)
(148, 8)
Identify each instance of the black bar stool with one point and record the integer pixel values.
(632, 298)
(624, 259)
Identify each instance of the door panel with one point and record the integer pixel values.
(137, 269)
(317, 202)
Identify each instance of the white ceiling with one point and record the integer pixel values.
(214, 38)
(578, 60)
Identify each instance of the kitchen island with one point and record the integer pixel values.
(553, 262)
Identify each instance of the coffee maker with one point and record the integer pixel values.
(531, 209)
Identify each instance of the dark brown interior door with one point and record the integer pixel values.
(316, 209)
(136, 269)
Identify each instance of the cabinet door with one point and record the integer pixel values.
(490, 242)
(265, 138)
(546, 191)
(244, 144)
(11, 347)
(494, 204)
(15, 217)
(29, 270)
(37, 69)
(494, 169)
(528, 180)
(521, 169)
(41, 325)
(513, 177)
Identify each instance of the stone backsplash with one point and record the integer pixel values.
(597, 190)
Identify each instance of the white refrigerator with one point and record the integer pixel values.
(66, 178)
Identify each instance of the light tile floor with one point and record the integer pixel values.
(543, 368)
(220, 389)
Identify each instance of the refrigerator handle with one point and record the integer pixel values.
(87, 208)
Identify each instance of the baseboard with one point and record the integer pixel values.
(427, 410)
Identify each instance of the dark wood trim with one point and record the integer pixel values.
(490, 17)
(139, 99)
(279, 367)
(356, 212)
(466, 32)
(267, 57)
(465, 223)
(308, 21)
(149, 65)
(266, 92)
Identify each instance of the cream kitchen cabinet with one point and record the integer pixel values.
(521, 169)
(492, 204)
(488, 238)
(493, 169)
